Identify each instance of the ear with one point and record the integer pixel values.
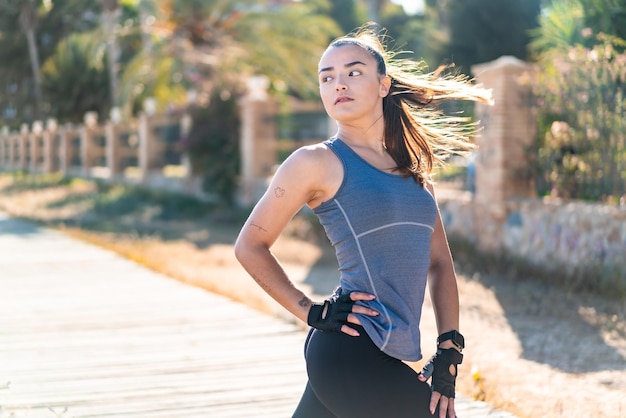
(385, 85)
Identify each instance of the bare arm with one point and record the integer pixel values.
(309, 176)
(443, 287)
(292, 187)
(445, 297)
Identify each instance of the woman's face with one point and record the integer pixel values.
(350, 86)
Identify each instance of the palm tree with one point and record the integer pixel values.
(216, 44)
(560, 26)
(75, 79)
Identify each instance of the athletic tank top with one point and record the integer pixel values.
(380, 225)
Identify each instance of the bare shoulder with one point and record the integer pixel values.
(318, 153)
(315, 168)
(314, 160)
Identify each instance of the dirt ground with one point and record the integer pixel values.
(532, 349)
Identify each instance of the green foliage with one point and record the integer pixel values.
(285, 45)
(213, 146)
(76, 78)
(428, 37)
(115, 200)
(161, 78)
(582, 91)
(409, 33)
(582, 99)
(347, 14)
(560, 26)
(53, 24)
(111, 201)
(484, 30)
(606, 16)
(565, 23)
(22, 180)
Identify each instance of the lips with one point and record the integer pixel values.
(343, 99)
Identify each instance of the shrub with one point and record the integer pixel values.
(581, 94)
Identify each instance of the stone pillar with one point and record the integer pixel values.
(186, 123)
(258, 142)
(505, 146)
(146, 144)
(12, 151)
(50, 148)
(23, 150)
(64, 151)
(4, 142)
(113, 150)
(87, 145)
(46, 138)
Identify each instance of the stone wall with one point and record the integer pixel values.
(574, 238)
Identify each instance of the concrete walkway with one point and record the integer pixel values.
(86, 333)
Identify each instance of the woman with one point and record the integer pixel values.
(370, 187)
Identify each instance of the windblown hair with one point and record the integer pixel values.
(417, 134)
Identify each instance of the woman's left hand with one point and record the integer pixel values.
(443, 367)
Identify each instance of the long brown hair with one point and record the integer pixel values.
(417, 135)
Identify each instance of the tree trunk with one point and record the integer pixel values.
(28, 22)
(109, 18)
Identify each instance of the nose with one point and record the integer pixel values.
(340, 85)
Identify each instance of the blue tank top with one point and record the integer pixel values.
(380, 225)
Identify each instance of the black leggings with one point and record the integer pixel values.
(351, 377)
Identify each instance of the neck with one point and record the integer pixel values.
(365, 136)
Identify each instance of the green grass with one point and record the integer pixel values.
(100, 201)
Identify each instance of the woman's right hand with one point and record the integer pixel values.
(336, 312)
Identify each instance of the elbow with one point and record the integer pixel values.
(245, 250)
(240, 250)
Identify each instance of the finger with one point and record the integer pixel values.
(353, 319)
(434, 400)
(443, 407)
(422, 378)
(361, 296)
(350, 331)
(451, 411)
(364, 310)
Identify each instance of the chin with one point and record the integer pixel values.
(344, 117)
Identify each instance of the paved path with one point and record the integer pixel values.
(86, 333)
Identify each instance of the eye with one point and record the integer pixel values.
(325, 79)
(354, 73)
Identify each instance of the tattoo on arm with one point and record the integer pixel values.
(304, 302)
(263, 285)
(279, 192)
(259, 227)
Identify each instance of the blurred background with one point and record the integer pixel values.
(69, 61)
(206, 98)
(151, 128)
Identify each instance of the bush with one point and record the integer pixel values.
(213, 146)
(582, 98)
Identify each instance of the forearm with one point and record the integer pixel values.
(265, 269)
(445, 296)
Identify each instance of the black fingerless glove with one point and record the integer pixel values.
(443, 366)
(331, 314)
